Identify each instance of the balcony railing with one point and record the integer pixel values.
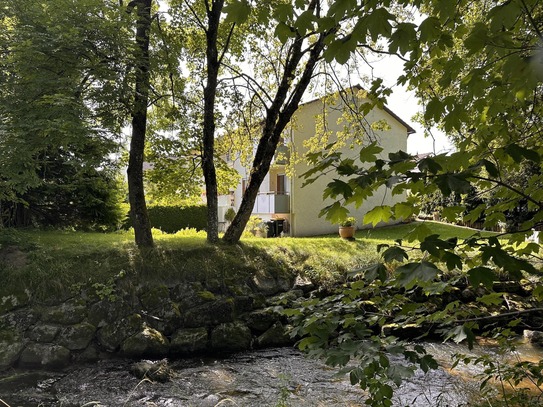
(271, 202)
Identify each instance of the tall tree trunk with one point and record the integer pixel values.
(208, 142)
(136, 193)
(277, 118)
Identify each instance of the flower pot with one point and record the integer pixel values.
(346, 232)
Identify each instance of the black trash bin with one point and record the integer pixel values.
(272, 229)
(280, 226)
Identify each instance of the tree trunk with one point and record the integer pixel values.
(208, 142)
(277, 118)
(136, 193)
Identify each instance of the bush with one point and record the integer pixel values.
(171, 219)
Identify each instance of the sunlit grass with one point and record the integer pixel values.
(61, 259)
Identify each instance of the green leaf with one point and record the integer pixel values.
(369, 153)
(482, 275)
(378, 23)
(395, 253)
(517, 153)
(452, 213)
(430, 30)
(335, 213)
(403, 211)
(237, 11)
(411, 274)
(376, 271)
(378, 214)
(420, 232)
(284, 32)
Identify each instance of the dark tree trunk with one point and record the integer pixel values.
(208, 142)
(277, 118)
(136, 193)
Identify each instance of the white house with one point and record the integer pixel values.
(329, 119)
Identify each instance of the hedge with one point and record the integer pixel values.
(171, 219)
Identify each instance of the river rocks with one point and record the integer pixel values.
(70, 312)
(16, 299)
(157, 371)
(111, 336)
(149, 342)
(45, 356)
(153, 320)
(277, 335)
(77, 337)
(231, 337)
(11, 344)
(44, 333)
(535, 337)
(190, 340)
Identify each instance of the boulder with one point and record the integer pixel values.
(534, 337)
(149, 342)
(68, 313)
(189, 340)
(268, 284)
(111, 336)
(44, 333)
(17, 298)
(262, 319)
(105, 311)
(231, 337)
(77, 337)
(211, 313)
(277, 335)
(157, 371)
(11, 344)
(45, 356)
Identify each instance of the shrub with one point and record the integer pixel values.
(171, 219)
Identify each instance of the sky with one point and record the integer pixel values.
(406, 105)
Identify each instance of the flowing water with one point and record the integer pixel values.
(273, 377)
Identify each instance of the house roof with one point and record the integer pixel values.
(410, 130)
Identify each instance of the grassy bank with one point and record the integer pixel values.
(53, 262)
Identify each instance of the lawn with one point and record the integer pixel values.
(58, 260)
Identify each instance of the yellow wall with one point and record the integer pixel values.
(307, 202)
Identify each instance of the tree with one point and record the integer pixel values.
(136, 192)
(477, 67)
(58, 121)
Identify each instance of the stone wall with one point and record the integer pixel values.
(151, 320)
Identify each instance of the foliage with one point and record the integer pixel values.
(229, 214)
(478, 69)
(173, 218)
(349, 221)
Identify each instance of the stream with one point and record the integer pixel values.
(276, 377)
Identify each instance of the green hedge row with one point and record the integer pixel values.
(171, 219)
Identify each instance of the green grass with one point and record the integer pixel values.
(57, 261)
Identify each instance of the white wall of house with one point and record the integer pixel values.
(307, 202)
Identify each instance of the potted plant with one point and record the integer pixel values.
(347, 228)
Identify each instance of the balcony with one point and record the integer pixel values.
(271, 202)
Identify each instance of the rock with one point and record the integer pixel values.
(111, 336)
(261, 320)
(277, 335)
(105, 312)
(11, 345)
(77, 337)
(17, 298)
(303, 283)
(535, 337)
(231, 337)
(157, 371)
(149, 342)
(189, 340)
(154, 297)
(267, 284)
(210, 313)
(45, 356)
(44, 333)
(90, 354)
(286, 299)
(69, 313)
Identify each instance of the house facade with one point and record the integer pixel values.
(283, 200)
